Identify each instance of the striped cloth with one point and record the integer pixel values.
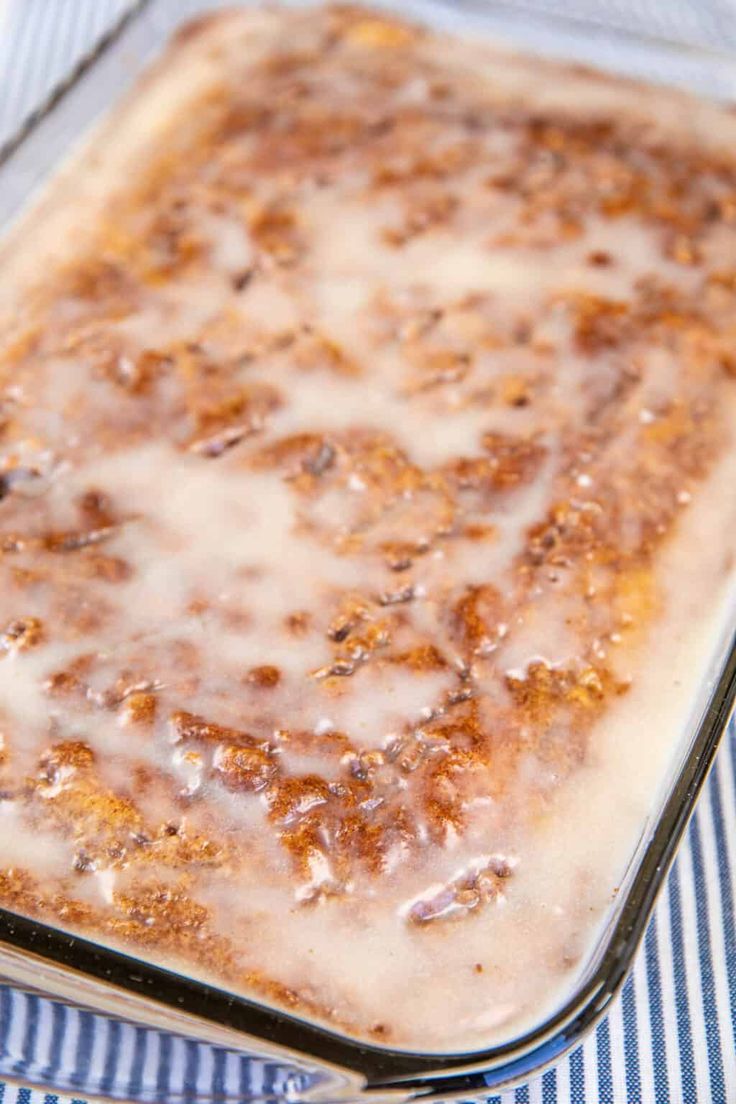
(670, 1038)
(41, 43)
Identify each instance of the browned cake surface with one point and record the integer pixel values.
(339, 464)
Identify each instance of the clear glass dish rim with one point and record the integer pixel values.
(380, 1069)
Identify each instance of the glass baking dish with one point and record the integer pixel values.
(327, 1065)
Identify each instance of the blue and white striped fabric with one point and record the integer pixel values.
(41, 43)
(670, 1038)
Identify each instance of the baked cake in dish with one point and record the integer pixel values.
(367, 514)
